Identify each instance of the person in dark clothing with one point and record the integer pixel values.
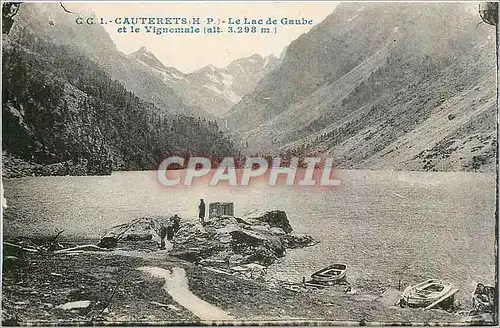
(201, 207)
(177, 223)
(163, 234)
(168, 231)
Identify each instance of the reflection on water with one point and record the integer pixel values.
(384, 225)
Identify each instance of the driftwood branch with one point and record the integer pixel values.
(82, 248)
(53, 244)
(26, 249)
(58, 233)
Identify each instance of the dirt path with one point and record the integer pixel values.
(176, 285)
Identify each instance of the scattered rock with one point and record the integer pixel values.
(277, 231)
(222, 222)
(261, 247)
(108, 242)
(274, 218)
(141, 229)
(169, 306)
(235, 259)
(300, 240)
(159, 304)
(173, 307)
(479, 319)
(250, 273)
(138, 236)
(74, 305)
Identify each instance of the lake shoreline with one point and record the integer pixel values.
(21, 169)
(37, 285)
(385, 226)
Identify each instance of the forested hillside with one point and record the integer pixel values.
(60, 107)
(51, 23)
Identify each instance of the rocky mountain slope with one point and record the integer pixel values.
(398, 86)
(214, 89)
(50, 22)
(63, 114)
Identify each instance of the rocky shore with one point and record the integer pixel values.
(14, 167)
(215, 271)
(259, 237)
(245, 245)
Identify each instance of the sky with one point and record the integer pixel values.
(191, 52)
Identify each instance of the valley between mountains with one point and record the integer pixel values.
(374, 85)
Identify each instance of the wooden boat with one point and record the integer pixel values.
(483, 299)
(427, 293)
(330, 275)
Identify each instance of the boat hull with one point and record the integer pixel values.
(328, 279)
(425, 293)
(330, 275)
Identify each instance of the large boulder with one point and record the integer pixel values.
(275, 219)
(208, 244)
(190, 231)
(257, 246)
(108, 242)
(259, 237)
(220, 228)
(220, 222)
(250, 270)
(201, 250)
(140, 229)
(299, 240)
(277, 231)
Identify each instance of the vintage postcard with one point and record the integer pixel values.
(249, 163)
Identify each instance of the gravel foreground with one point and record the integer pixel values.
(36, 286)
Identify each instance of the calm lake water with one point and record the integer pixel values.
(384, 225)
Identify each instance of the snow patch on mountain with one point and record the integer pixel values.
(213, 89)
(227, 79)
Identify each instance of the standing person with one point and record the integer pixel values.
(163, 234)
(177, 223)
(173, 227)
(201, 208)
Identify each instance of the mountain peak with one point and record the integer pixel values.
(145, 56)
(255, 57)
(271, 60)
